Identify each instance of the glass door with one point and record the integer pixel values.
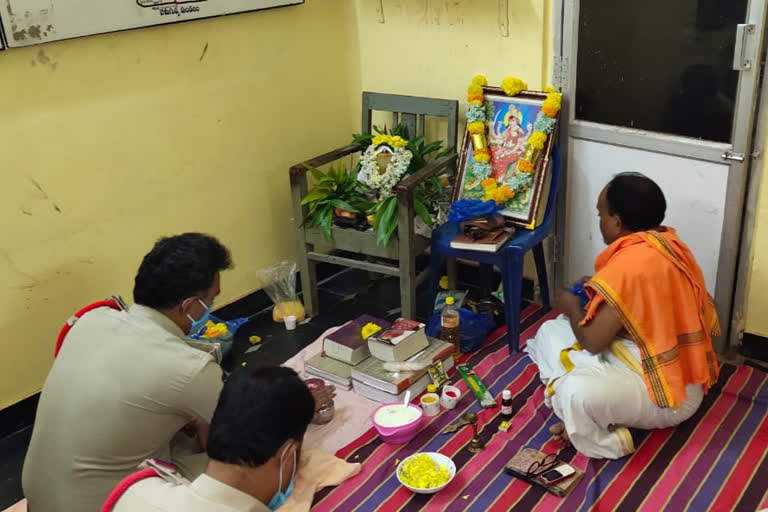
(666, 88)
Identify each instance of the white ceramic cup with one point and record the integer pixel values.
(448, 401)
(431, 404)
(290, 322)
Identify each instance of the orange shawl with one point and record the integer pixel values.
(652, 281)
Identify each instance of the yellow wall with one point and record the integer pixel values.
(440, 44)
(109, 142)
(133, 136)
(756, 319)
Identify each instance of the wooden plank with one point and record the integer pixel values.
(361, 242)
(407, 239)
(411, 104)
(390, 270)
(409, 121)
(300, 169)
(307, 268)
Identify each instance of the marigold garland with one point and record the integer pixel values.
(476, 127)
(482, 155)
(524, 165)
(393, 141)
(478, 114)
(537, 140)
(513, 86)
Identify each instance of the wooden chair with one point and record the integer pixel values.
(405, 245)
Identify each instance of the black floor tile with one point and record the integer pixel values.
(344, 294)
(13, 448)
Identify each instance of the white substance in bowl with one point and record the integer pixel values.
(395, 415)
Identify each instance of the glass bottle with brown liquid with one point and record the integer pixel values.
(449, 327)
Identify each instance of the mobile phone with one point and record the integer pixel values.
(555, 475)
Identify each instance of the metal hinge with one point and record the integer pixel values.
(741, 59)
(560, 72)
(733, 157)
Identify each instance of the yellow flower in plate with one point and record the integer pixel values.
(476, 127)
(479, 80)
(537, 140)
(513, 86)
(422, 472)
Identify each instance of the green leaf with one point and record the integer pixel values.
(326, 221)
(423, 212)
(386, 220)
(317, 173)
(316, 194)
(338, 203)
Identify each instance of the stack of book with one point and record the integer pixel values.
(342, 350)
(351, 361)
(371, 380)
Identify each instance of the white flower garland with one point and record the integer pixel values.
(369, 170)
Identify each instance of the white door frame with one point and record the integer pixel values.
(750, 213)
(565, 48)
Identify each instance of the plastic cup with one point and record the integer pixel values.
(451, 396)
(431, 404)
(290, 322)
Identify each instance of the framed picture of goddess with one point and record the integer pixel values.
(514, 164)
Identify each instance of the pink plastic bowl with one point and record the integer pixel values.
(401, 434)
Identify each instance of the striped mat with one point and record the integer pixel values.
(717, 460)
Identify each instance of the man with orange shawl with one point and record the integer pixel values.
(640, 354)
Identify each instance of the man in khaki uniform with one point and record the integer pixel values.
(254, 444)
(125, 383)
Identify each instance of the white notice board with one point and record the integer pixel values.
(28, 22)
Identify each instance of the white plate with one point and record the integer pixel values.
(441, 460)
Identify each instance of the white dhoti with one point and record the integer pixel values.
(598, 396)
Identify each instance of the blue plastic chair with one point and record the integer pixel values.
(509, 259)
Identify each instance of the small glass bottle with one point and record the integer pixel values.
(506, 404)
(449, 327)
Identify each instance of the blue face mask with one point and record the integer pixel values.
(280, 497)
(199, 323)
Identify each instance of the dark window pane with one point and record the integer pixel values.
(659, 65)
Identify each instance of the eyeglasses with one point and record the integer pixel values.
(540, 467)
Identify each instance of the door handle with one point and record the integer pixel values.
(733, 157)
(742, 62)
